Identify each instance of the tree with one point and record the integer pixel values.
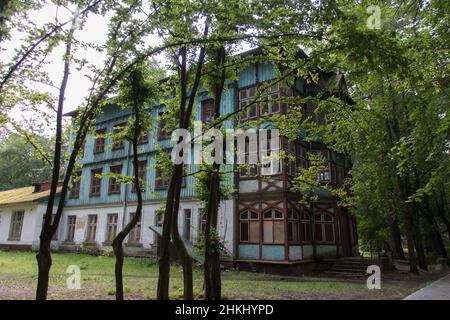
(20, 164)
(136, 90)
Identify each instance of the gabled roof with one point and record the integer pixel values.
(23, 195)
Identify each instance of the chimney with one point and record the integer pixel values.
(43, 186)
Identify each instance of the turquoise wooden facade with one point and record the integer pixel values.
(253, 191)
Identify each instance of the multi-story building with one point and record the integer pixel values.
(262, 222)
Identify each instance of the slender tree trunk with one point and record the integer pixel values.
(212, 276)
(49, 228)
(418, 243)
(164, 254)
(186, 260)
(162, 292)
(395, 239)
(118, 240)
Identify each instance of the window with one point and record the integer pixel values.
(143, 139)
(187, 224)
(246, 97)
(114, 185)
(296, 157)
(271, 101)
(249, 226)
(111, 226)
(99, 141)
(91, 228)
(305, 221)
(273, 226)
(270, 153)
(161, 181)
(142, 172)
(207, 110)
(71, 224)
(76, 182)
(118, 142)
(248, 156)
(293, 226)
(324, 176)
(135, 233)
(162, 133)
(96, 183)
(323, 227)
(15, 231)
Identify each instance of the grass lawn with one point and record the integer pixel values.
(18, 274)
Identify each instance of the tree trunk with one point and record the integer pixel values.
(186, 260)
(164, 257)
(44, 260)
(118, 240)
(212, 276)
(418, 244)
(395, 239)
(49, 227)
(162, 292)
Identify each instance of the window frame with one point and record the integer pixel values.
(76, 186)
(71, 228)
(118, 144)
(111, 225)
(135, 236)
(275, 221)
(207, 110)
(16, 225)
(253, 217)
(162, 134)
(99, 142)
(91, 226)
(92, 186)
(142, 172)
(113, 186)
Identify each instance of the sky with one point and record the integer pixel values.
(95, 31)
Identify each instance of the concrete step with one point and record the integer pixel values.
(349, 270)
(344, 274)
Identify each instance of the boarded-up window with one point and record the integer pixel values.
(91, 228)
(135, 233)
(249, 226)
(207, 110)
(96, 182)
(15, 231)
(273, 226)
(111, 227)
(99, 141)
(71, 223)
(162, 133)
(76, 183)
(323, 227)
(114, 185)
(143, 139)
(142, 172)
(162, 180)
(117, 138)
